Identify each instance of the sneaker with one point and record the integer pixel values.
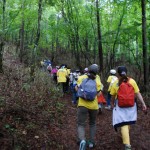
(100, 111)
(91, 144)
(73, 102)
(100, 105)
(82, 145)
(127, 147)
(108, 107)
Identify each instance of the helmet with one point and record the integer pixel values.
(93, 69)
(113, 71)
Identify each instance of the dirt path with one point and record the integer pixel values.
(66, 134)
(106, 137)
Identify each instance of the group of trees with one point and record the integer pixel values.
(94, 31)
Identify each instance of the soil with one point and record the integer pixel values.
(106, 137)
(63, 135)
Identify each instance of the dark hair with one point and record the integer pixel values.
(123, 79)
(122, 71)
(91, 75)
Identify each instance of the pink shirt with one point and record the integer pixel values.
(54, 70)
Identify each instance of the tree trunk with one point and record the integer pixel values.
(1, 56)
(2, 38)
(144, 44)
(21, 41)
(33, 65)
(116, 38)
(53, 51)
(100, 50)
(22, 34)
(137, 50)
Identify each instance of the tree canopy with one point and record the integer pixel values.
(71, 26)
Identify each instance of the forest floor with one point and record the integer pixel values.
(39, 127)
(106, 137)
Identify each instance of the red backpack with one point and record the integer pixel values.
(126, 95)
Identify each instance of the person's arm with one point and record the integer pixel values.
(99, 93)
(76, 87)
(113, 92)
(139, 96)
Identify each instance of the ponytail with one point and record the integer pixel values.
(91, 76)
(123, 78)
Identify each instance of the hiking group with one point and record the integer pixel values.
(87, 94)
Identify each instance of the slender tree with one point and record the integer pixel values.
(22, 33)
(33, 65)
(144, 41)
(2, 36)
(100, 50)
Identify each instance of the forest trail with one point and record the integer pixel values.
(66, 132)
(106, 137)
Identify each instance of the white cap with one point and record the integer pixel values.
(113, 71)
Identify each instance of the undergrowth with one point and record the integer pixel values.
(29, 110)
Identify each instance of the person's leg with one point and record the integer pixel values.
(67, 85)
(74, 96)
(100, 105)
(71, 87)
(64, 87)
(81, 120)
(125, 135)
(108, 101)
(92, 124)
(55, 78)
(60, 87)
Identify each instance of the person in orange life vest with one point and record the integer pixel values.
(125, 116)
(112, 77)
(88, 108)
(62, 78)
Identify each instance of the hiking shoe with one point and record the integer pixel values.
(91, 144)
(100, 111)
(74, 103)
(127, 147)
(108, 107)
(82, 145)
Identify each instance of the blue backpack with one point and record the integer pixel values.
(87, 89)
